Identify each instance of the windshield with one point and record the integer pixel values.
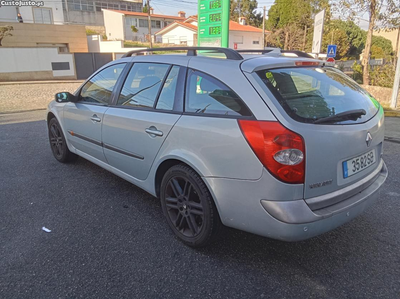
(309, 94)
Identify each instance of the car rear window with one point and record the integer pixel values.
(309, 94)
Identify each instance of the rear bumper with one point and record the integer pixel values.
(293, 220)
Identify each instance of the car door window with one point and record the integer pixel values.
(142, 85)
(99, 88)
(167, 95)
(207, 95)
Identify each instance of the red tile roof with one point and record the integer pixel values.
(234, 26)
(143, 14)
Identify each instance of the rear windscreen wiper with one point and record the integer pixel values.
(347, 115)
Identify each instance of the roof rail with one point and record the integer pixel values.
(191, 51)
(276, 52)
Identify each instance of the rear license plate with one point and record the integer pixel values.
(359, 163)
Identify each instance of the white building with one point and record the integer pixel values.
(89, 12)
(118, 24)
(241, 36)
(50, 13)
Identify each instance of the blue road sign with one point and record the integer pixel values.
(331, 51)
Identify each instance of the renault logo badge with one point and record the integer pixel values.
(369, 139)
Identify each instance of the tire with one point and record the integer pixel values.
(188, 206)
(58, 143)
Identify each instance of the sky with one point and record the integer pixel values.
(171, 7)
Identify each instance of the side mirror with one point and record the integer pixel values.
(64, 97)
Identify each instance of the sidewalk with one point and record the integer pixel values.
(392, 128)
(32, 95)
(41, 82)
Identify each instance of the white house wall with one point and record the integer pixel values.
(9, 13)
(142, 31)
(114, 24)
(25, 60)
(245, 39)
(178, 36)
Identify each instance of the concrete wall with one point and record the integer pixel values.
(20, 64)
(97, 45)
(114, 23)
(9, 13)
(178, 36)
(30, 35)
(94, 18)
(382, 94)
(99, 29)
(244, 39)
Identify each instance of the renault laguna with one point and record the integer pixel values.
(274, 143)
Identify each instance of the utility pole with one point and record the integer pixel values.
(397, 46)
(149, 20)
(263, 41)
(395, 92)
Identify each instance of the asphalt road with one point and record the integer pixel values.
(109, 239)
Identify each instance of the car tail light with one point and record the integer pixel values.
(280, 150)
(308, 63)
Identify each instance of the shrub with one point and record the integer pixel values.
(357, 72)
(382, 75)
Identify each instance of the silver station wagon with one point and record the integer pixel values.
(270, 142)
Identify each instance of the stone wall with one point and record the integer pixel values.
(34, 35)
(382, 94)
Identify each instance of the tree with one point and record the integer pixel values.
(247, 9)
(384, 44)
(134, 29)
(5, 31)
(382, 12)
(291, 20)
(145, 8)
(336, 36)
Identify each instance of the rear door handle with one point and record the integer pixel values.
(154, 132)
(95, 118)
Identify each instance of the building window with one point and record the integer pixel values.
(155, 24)
(143, 23)
(42, 15)
(77, 4)
(87, 5)
(256, 42)
(123, 7)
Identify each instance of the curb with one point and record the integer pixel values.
(392, 113)
(41, 82)
(22, 111)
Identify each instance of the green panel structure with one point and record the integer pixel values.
(213, 23)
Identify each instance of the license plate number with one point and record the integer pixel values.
(359, 163)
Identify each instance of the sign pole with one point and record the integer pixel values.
(395, 92)
(149, 21)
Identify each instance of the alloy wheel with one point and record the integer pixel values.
(56, 140)
(184, 206)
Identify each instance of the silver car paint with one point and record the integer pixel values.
(77, 119)
(125, 129)
(327, 146)
(216, 154)
(217, 150)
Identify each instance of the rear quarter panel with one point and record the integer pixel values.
(214, 147)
